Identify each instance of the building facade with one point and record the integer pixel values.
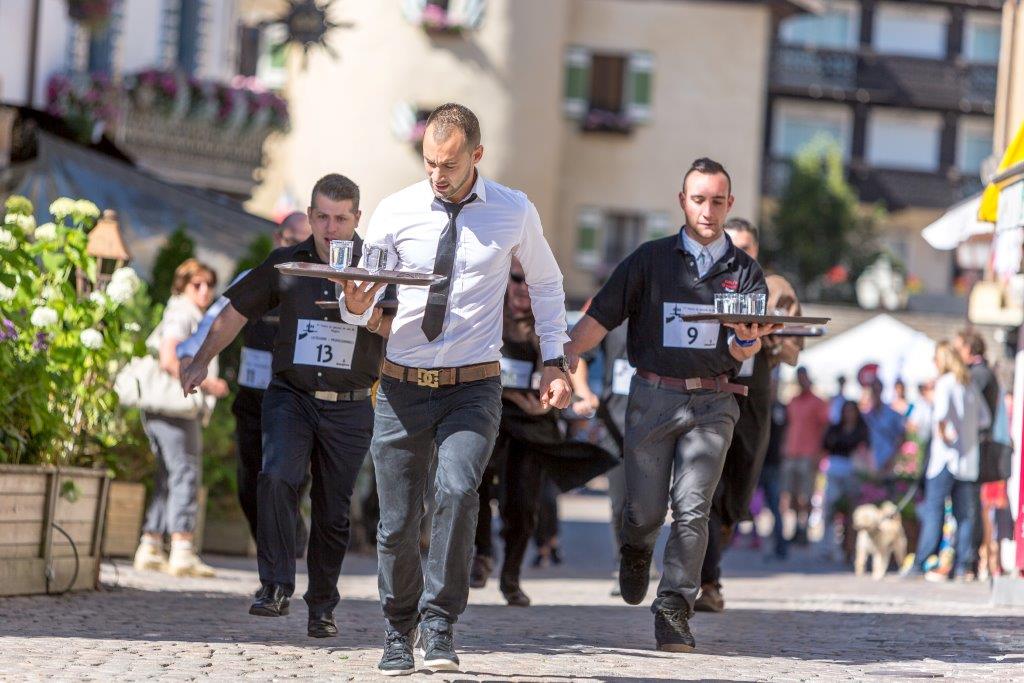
(907, 90)
(595, 108)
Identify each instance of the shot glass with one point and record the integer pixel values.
(756, 304)
(726, 303)
(375, 258)
(341, 253)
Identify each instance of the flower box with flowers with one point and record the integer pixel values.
(59, 353)
(604, 121)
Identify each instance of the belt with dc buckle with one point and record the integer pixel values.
(441, 377)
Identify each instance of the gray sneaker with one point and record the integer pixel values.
(437, 646)
(397, 659)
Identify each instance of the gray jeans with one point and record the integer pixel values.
(414, 426)
(177, 444)
(675, 446)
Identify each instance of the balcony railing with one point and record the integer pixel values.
(888, 79)
(896, 188)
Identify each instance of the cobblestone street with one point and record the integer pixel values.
(784, 621)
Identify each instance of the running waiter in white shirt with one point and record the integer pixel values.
(440, 392)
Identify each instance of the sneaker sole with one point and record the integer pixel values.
(264, 612)
(396, 672)
(438, 664)
(676, 647)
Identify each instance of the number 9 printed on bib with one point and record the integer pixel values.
(688, 335)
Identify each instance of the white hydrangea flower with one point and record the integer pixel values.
(133, 327)
(26, 223)
(7, 240)
(46, 232)
(63, 206)
(49, 292)
(83, 207)
(98, 298)
(44, 316)
(91, 338)
(120, 291)
(6, 293)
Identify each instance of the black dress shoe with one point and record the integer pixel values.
(321, 626)
(271, 601)
(672, 631)
(634, 573)
(515, 597)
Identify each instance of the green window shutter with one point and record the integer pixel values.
(577, 82)
(413, 10)
(589, 237)
(640, 85)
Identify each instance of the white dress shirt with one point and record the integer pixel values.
(499, 224)
(705, 255)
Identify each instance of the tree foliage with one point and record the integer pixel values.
(178, 248)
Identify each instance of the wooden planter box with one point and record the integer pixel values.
(34, 501)
(125, 507)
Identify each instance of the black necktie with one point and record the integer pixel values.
(437, 298)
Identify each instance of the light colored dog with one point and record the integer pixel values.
(880, 535)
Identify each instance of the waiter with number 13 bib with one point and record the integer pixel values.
(316, 410)
(682, 407)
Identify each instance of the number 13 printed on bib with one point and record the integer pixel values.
(681, 334)
(318, 342)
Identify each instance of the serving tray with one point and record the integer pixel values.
(391, 277)
(748, 319)
(332, 304)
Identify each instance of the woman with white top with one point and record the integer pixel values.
(958, 414)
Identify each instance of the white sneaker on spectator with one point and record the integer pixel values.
(149, 556)
(185, 562)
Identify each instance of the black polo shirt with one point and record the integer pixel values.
(657, 284)
(313, 350)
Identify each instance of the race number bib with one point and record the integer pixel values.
(323, 343)
(747, 369)
(254, 368)
(684, 335)
(518, 374)
(622, 374)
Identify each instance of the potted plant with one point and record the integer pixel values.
(59, 353)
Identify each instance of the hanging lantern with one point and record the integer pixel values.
(107, 247)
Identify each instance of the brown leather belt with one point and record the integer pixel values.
(720, 383)
(441, 377)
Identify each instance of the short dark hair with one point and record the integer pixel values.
(974, 342)
(707, 167)
(451, 116)
(743, 225)
(336, 187)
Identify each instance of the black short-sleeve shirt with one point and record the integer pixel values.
(313, 350)
(654, 287)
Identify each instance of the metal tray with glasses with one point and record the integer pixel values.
(392, 277)
(750, 318)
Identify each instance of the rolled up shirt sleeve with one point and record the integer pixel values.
(544, 278)
(617, 299)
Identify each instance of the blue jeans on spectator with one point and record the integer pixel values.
(932, 512)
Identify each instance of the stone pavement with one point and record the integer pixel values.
(791, 621)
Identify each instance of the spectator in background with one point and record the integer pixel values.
(771, 471)
(835, 406)
(996, 521)
(807, 416)
(841, 442)
(959, 416)
(885, 426)
(899, 399)
(177, 442)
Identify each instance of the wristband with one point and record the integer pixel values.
(744, 343)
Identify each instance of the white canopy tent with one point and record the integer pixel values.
(900, 351)
(958, 224)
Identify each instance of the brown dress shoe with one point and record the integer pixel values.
(710, 599)
(480, 571)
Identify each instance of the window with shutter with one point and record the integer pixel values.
(577, 82)
(589, 237)
(640, 86)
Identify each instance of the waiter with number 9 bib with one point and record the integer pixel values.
(316, 410)
(682, 406)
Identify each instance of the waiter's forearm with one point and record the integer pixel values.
(743, 353)
(223, 331)
(586, 334)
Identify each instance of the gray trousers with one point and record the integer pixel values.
(414, 426)
(675, 446)
(177, 444)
